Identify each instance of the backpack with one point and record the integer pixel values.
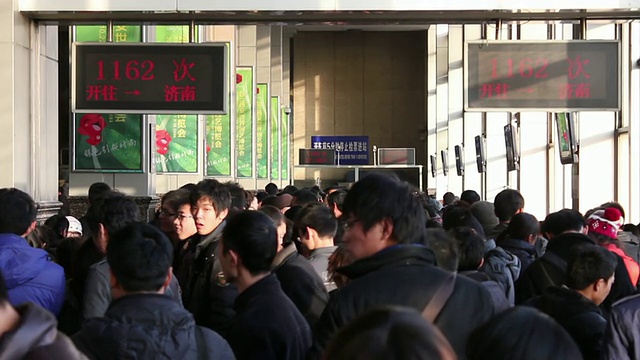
(503, 268)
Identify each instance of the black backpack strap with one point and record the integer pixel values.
(201, 346)
(439, 299)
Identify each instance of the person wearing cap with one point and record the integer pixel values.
(75, 227)
(603, 227)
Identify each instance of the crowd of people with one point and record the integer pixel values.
(376, 271)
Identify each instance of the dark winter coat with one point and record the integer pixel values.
(581, 317)
(622, 337)
(30, 274)
(503, 268)
(551, 268)
(500, 302)
(301, 283)
(268, 325)
(148, 326)
(206, 294)
(404, 275)
(37, 338)
(523, 250)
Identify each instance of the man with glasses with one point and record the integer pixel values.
(385, 233)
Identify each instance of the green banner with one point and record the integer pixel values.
(172, 34)
(262, 113)
(244, 121)
(176, 143)
(176, 135)
(218, 134)
(108, 142)
(275, 139)
(285, 145)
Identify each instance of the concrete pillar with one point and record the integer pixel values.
(29, 108)
(246, 36)
(276, 90)
(263, 76)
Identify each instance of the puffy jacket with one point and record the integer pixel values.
(404, 275)
(205, 295)
(581, 318)
(148, 326)
(523, 250)
(37, 338)
(30, 274)
(503, 268)
(622, 337)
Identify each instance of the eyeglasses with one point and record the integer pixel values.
(166, 212)
(181, 217)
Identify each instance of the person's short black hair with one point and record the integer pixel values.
(444, 247)
(562, 221)
(215, 191)
(470, 197)
(115, 212)
(271, 189)
(248, 199)
(318, 217)
(140, 257)
(457, 216)
(589, 264)
(58, 223)
(448, 198)
(274, 213)
(261, 195)
(252, 235)
(336, 198)
(378, 196)
(238, 197)
(507, 203)
(98, 191)
(179, 198)
(289, 189)
(4, 292)
(521, 226)
(303, 197)
(389, 332)
(190, 187)
(538, 336)
(18, 211)
(470, 248)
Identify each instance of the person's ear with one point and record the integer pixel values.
(234, 259)
(30, 229)
(387, 229)
(167, 280)
(223, 214)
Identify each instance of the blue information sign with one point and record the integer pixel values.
(352, 150)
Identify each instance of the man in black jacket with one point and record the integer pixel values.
(384, 230)
(207, 295)
(142, 322)
(566, 232)
(575, 307)
(267, 326)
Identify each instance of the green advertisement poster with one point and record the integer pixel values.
(108, 142)
(244, 121)
(285, 145)
(275, 139)
(262, 108)
(218, 134)
(176, 135)
(177, 143)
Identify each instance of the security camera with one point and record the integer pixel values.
(287, 110)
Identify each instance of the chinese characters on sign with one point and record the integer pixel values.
(275, 138)
(543, 75)
(218, 133)
(245, 91)
(150, 78)
(352, 150)
(177, 143)
(262, 98)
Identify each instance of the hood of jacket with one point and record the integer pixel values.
(19, 262)
(562, 245)
(510, 244)
(402, 254)
(37, 328)
(140, 326)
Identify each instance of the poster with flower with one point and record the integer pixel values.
(218, 134)
(245, 90)
(262, 115)
(108, 143)
(274, 120)
(176, 143)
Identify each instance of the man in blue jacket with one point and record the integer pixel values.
(30, 274)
